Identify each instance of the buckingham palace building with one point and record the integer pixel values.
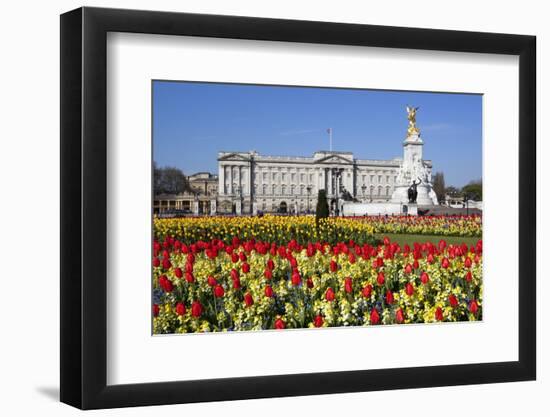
(249, 182)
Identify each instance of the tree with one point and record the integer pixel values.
(439, 186)
(169, 180)
(452, 191)
(321, 211)
(474, 190)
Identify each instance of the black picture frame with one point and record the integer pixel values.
(84, 207)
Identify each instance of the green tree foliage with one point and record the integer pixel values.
(452, 191)
(169, 180)
(439, 186)
(322, 210)
(474, 190)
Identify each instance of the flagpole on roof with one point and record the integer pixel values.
(329, 130)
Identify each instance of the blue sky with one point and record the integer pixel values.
(193, 121)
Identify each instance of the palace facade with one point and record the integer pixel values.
(249, 182)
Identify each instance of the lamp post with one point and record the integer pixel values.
(308, 189)
(363, 188)
(337, 175)
(466, 204)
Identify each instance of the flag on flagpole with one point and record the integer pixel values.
(329, 131)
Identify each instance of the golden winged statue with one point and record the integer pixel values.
(411, 115)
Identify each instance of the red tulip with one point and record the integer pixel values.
(318, 321)
(367, 291)
(166, 264)
(234, 274)
(234, 258)
(165, 283)
(248, 300)
(386, 241)
(180, 309)
(268, 274)
(189, 277)
(424, 277)
(212, 281)
(178, 273)
(453, 301)
(279, 324)
(270, 264)
(333, 266)
(196, 309)
(409, 289)
(156, 310)
(218, 291)
(468, 276)
(399, 318)
(415, 264)
(430, 259)
(408, 269)
(438, 314)
(268, 291)
(236, 283)
(445, 263)
(467, 262)
(473, 307)
(242, 257)
(246, 268)
(348, 285)
(329, 295)
(389, 297)
(309, 283)
(156, 262)
(374, 316)
(380, 278)
(296, 279)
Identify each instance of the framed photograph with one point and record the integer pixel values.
(257, 208)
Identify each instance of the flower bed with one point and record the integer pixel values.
(276, 229)
(239, 282)
(470, 226)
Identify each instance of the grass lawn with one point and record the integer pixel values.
(410, 239)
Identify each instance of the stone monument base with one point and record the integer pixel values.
(426, 196)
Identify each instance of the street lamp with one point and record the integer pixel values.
(466, 204)
(308, 189)
(337, 175)
(239, 193)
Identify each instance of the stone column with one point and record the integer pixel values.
(230, 186)
(221, 178)
(213, 207)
